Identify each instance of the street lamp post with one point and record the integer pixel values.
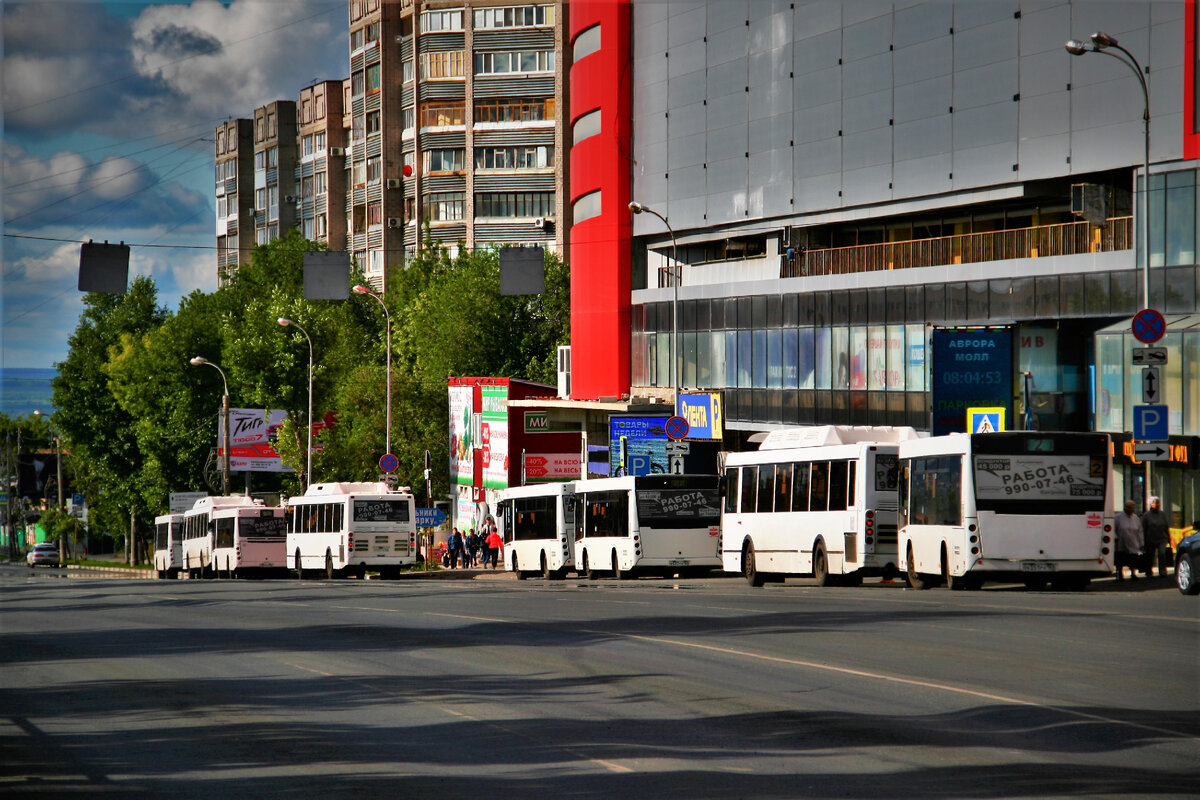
(1099, 43)
(638, 208)
(197, 361)
(360, 289)
(62, 547)
(284, 321)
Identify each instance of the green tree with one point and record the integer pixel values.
(98, 432)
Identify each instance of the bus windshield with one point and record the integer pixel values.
(679, 508)
(264, 527)
(1045, 474)
(381, 510)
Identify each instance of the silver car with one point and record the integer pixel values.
(45, 553)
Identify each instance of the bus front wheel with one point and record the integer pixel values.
(915, 579)
(749, 569)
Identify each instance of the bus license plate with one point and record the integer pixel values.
(1036, 566)
(677, 562)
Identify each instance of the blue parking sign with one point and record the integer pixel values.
(1150, 423)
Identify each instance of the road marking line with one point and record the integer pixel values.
(862, 673)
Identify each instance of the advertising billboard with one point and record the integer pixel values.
(493, 431)
(971, 367)
(462, 453)
(252, 435)
(641, 441)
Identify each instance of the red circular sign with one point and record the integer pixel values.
(677, 428)
(1149, 326)
(388, 462)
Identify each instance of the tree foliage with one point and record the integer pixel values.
(141, 422)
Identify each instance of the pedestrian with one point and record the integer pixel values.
(1155, 529)
(456, 548)
(472, 548)
(1130, 541)
(494, 542)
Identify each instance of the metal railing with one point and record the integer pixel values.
(1065, 239)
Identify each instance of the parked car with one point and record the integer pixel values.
(1187, 561)
(45, 553)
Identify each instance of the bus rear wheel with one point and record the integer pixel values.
(618, 573)
(821, 566)
(953, 583)
(915, 579)
(749, 569)
(516, 567)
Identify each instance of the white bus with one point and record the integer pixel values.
(1027, 506)
(168, 545)
(538, 526)
(818, 501)
(662, 524)
(233, 536)
(344, 528)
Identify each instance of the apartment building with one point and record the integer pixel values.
(454, 128)
(874, 213)
(234, 151)
(320, 171)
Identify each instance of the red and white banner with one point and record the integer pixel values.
(550, 467)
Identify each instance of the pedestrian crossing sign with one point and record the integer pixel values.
(985, 420)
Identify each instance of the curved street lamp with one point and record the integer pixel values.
(676, 275)
(196, 362)
(360, 289)
(285, 322)
(1099, 43)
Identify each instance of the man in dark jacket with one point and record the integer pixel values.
(1155, 530)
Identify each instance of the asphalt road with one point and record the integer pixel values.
(651, 688)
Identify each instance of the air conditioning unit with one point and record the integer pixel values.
(393, 183)
(1090, 201)
(395, 222)
(564, 371)
(337, 151)
(543, 223)
(291, 198)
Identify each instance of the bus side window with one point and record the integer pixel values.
(800, 486)
(766, 487)
(729, 487)
(819, 485)
(837, 485)
(850, 478)
(903, 490)
(783, 487)
(749, 485)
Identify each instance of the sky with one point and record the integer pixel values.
(108, 111)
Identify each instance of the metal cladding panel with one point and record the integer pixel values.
(981, 166)
(815, 90)
(448, 234)
(514, 182)
(513, 137)
(600, 246)
(922, 138)
(441, 42)
(442, 90)
(442, 139)
(510, 232)
(537, 85)
(922, 22)
(772, 133)
(444, 183)
(988, 125)
(514, 39)
(866, 112)
(867, 148)
(931, 99)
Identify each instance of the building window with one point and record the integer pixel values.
(523, 109)
(319, 183)
(272, 157)
(525, 157)
(433, 21)
(586, 207)
(322, 228)
(374, 214)
(514, 17)
(407, 117)
(372, 122)
(260, 199)
(445, 113)
(371, 34)
(372, 78)
(446, 206)
(514, 204)
(510, 61)
(358, 39)
(586, 126)
(357, 84)
(443, 64)
(586, 43)
(319, 142)
(306, 146)
(260, 161)
(444, 160)
(374, 169)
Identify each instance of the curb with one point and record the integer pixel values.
(147, 574)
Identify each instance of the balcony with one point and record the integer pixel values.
(1066, 239)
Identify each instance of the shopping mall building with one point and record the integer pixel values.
(887, 213)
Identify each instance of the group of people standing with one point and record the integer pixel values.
(1142, 541)
(475, 548)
